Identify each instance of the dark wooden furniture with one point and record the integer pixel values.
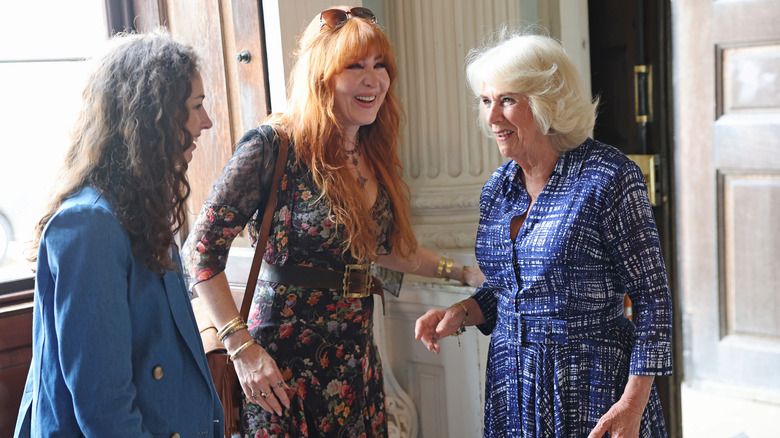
(16, 304)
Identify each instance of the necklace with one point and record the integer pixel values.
(352, 158)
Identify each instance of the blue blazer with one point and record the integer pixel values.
(116, 351)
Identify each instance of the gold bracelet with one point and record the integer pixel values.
(462, 328)
(241, 349)
(465, 316)
(441, 267)
(463, 275)
(229, 326)
(233, 330)
(448, 269)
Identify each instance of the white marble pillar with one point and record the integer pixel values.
(446, 158)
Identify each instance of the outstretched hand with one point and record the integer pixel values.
(437, 324)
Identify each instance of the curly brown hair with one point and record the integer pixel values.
(129, 139)
(321, 55)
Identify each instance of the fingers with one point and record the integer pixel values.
(474, 277)
(477, 278)
(449, 324)
(430, 340)
(423, 324)
(600, 429)
(425, 329)
(269, 395)
(262, 381)
(282, 392)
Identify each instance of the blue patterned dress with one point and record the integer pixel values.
(322, 342)
(561, 349)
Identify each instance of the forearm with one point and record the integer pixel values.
(637, 392)
(217, 298)
(425, 263)
(475, 316)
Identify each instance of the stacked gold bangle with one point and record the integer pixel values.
(241, 349)
(441, 267)
(444, 268)
(231, 327)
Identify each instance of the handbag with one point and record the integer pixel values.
(223, 373)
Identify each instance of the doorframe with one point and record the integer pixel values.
(669, 388)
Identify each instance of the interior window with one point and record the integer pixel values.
(43, 67)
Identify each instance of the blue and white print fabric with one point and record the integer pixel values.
(561, 348)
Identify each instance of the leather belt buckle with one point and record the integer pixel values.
(349, 277)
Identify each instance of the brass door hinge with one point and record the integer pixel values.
(650, 166)
(643, 93)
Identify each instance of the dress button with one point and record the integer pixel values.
(157, 372)
(175, 435)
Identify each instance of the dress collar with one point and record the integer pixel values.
(569, 165)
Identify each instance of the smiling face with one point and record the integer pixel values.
(510, 118)
(198, 119)
(359, 92)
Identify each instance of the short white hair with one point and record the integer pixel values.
(537, 67)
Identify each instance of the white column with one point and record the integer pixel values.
(446, 157)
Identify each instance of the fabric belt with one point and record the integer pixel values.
(355, 282)
(524, 329)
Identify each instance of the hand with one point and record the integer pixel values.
(623, 419)
(620, 421)
(474, 276)
(258, 374)
(437, 324)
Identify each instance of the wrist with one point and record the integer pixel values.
(243, 347)
(237, 339)
(463, 281)
(444, 268)
(461, 306)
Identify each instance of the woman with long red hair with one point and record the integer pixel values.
(307, 361)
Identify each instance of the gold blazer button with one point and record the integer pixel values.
(157, 372)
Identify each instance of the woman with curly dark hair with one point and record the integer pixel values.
(116, 351)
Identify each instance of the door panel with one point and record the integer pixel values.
(236, 92)
(728, 56)
(198, 23)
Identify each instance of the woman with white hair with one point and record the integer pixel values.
(566, 230)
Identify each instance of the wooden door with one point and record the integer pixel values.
(624, 34)
(236, 87)
(727, 65)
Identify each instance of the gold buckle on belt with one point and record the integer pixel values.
(347, 280)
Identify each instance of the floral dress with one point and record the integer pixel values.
(322, 343)
(561, 349)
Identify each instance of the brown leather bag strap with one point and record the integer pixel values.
(265, 227)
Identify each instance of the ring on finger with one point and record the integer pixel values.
(253, 393)
(263, 394)
(279, 383)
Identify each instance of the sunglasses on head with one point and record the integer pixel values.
(337, 17)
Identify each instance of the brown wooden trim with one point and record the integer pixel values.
(20, 285)
(149, 14)
(119, 16)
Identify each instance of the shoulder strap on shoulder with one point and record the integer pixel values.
(265, 227)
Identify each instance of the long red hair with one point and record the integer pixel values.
(310, 118)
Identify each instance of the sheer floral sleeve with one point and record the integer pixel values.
(241, 190)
